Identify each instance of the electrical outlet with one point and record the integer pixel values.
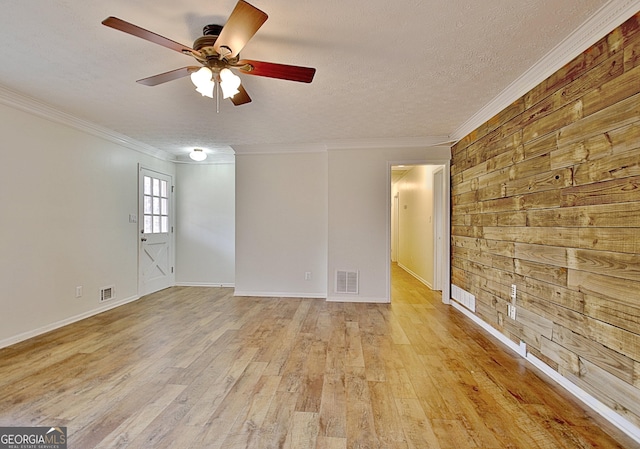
(307, 275)
(511, 311)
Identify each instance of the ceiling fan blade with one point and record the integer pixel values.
(150, 36)
(242, 24)
(241, 97)
(272, 70)
(168, 76)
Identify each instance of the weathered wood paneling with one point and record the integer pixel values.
(546, 195)
(605, 358)
(620, 396)
(625, 215)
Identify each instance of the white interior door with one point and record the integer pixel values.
(155, 254)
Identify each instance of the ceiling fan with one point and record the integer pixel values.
(218, 50)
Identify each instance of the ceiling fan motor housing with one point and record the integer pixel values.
(204, 44)
(212, 30)
(241, 25)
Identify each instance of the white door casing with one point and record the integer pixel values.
(443, 216)
(438, 225)
(155, 250)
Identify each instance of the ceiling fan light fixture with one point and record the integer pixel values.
(218, 48)
(198, 155)
(203, 81)
(229, 82)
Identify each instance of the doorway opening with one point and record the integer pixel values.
(419, 224)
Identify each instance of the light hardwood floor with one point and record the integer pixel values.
(198, 368)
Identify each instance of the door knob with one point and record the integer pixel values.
(143, 239)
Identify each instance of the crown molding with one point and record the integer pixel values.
(611, 15)
(349, 144)
(32, 106)
(401, 142)
(285, 148)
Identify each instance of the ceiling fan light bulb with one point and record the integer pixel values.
(202, 77)
(226, 74)
(206, 90)
(227, 92)
(198, 155)
(229, 82)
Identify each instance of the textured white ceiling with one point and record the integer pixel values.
(385, 70)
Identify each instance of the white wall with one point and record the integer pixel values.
(66, 197)
(281, 224)
(205, 224)
(415, 226)
(359, 214)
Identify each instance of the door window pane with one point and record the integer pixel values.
(147, 205)
(155, 205)
(147, 185)
(164, 224)
(163, 189)
(148, 224)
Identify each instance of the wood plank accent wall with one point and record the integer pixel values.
(546, 195)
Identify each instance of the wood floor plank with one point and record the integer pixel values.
(372, 353)
(247, 428)
(196, 368)
(277, 422)
(354, 355)
(303, 432)
(451, 434)
(234, 407)
(310, 395)
(388, 423)
(323, 442)
(210, 390)
(333, 406)
(417, 428)
(135, 423)
(361, 431)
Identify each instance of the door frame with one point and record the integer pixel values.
(445, 257)
(438, 224)
(395, 210)
(171, 241)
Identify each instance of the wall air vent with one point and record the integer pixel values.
(463, 297)
(347, 282)
(107, 293)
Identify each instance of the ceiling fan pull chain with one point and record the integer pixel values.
(217, 97)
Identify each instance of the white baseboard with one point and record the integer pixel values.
(424, 281)
(58, 324)
(359, 299)
(204, 284)
(521, 350)
(281, 294)
(591, 402)
(335, 298)
(606, 412)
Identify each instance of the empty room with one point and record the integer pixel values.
(324, 225)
